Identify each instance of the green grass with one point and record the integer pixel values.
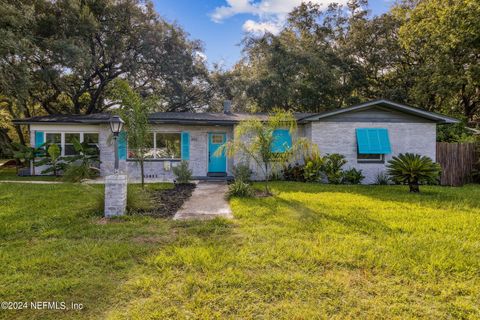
(311, 251)
(11, 174)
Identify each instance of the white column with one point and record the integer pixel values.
(115, 195)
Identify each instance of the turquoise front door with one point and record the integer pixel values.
(216, 163)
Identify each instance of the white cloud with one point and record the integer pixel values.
(271, 13)
(260, 28)
(234, 7)
(201, 56)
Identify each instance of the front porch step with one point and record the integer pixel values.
(207, 178)
(216, 174)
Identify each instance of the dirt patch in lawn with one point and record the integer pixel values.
(167, 202)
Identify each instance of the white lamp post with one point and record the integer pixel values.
(116, 125)
(116, 184)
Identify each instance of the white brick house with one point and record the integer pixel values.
(193, 136)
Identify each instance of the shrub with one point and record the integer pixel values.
(313, 168)
(353, 176)
(239, 189)
(182, 173)
(53, 160)
(27, 154)
(382, 178)
(276, 175)
(333, 167)
(83, 165)
(242, 172)
(413, 169)
(293, 173)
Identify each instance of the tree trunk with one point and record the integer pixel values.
(414, 187)
(141, 173)
(267, 191)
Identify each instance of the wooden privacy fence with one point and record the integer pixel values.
(458, 161)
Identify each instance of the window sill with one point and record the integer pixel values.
(371, 161)
(155, 160)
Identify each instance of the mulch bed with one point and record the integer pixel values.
(9, 164)
(170, 200)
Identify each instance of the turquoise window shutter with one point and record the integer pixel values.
(373, 141)
(122, 145)
(185, 145)
(39, 138)
(282, 140)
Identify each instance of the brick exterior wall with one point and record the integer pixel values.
(331, 137)
(154, 169)
(340, 137)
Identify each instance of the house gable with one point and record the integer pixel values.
(381, 111)
(375, 114)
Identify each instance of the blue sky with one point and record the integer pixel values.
(221, 24)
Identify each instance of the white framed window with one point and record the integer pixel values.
(64, 140)
(92, 140)
(69, 148)
(160, 146)
(54, 138)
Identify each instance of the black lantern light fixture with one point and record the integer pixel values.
(116, 125)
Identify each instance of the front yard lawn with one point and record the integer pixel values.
(11, 174)
(311, 251)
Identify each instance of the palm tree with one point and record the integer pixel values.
(254, 140)
(413, 169)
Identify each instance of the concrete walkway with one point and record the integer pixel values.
(207, 202)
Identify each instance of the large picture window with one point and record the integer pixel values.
(167, 145)
(92, 140)
(54, 138)
(69, 147)
(64, 140)
(161, 146)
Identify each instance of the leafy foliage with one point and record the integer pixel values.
(455, 133)
(60, 57)
(382, 178)
(422, 53)
(83, 165)
(254, 140)
(27, 154)
(413, 169)
(312, 171)
(443, 37)
(182, 173)
(53, 160)
(134, 112)
(294, 172)
(333, 167)
(352, 176)
(64, 54)
(242, 172)
(239, 189)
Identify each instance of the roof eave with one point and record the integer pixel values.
(22, 122)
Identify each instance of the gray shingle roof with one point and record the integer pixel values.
(60, 118)
(232, 118)
(213, 117)
(158, 117)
